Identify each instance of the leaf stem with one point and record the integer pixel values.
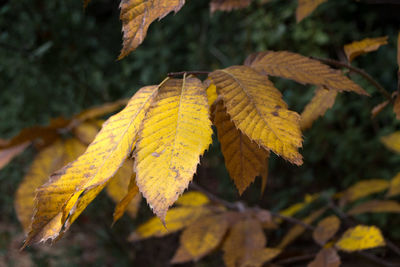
(181, 73)
(356, 70)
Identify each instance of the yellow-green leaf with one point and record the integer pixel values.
(175, 220)
(84, 178)
(376, 206)
(228, 5)
(123, 190)
(394, 187)
(244, 238)
(303, 70)
(363, 189)
(359, 238)
(202, 237)
(193, 199)
(392, 141)
(319, 104)
(244, 159)
(326, 229)
(257, 109)
(326, 257)
(176, 132)
(137, 15)
(306, 7)
(366, 45)
(47, 161)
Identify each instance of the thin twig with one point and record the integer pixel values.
(213, 197)
(356, 70)
(295, 259)
(181, 73)
(375, 259)
(392, 246)
(293, 220)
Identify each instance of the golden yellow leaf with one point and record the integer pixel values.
(257, 109)
(123, 190)
(298, 229)
(228, 5)
(392, 141)
(86, 132)
(326, 229)
(293, 209)
(258, 257)
(319, 104)
(302, 69)
(376, 206)
(82, 179)
(363, 189)
(245, 237)
(306, 7)
(47, 161)
(202, 237)
(378, 108)
(193, 198)
(359, 238)
(244, 159)
(175, 220)
(394, 187)
(326, 257)
(176, 132)
(137, 15)
(7, 154)
(211, 93)
(366, 45)
(99, 111)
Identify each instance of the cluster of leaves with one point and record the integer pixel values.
(165, 128)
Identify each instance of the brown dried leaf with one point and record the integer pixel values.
(244, 159)
(302, 69)
(228, 5)
(396, 105)
(364, 46)
(319, 104)
(257, 109)
(306, 7)
(326, 229)
(378, 108)
(7, 154)
(137, 15)
(376, 206)
(326, 257)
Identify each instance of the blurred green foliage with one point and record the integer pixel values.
(57, 59)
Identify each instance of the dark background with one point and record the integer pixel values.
(57, 59)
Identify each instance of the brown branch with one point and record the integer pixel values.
(295, 259)
(181, 73)
(356, 70)
(293, 220)
(376, 259)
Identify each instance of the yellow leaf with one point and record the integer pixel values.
(91, 171)
(175, 220)
(193, 199)
(306, 7)
(86, 132)
(298, 229)
(303, 70)
(326, 257)
(202, 237)
(319, 104)
(258, 257)
(257, 109)
(394, 188)
(364, 46)
(376, 206)
(137, 15)
(176, 132)
(378, 108)
(211, 92)
(7, 154)
(244, 238)
(47, 161)
(326, 229)
(244, 159)
(363, 189)
(293, 209)
(99, 111)
(228, 5)
(392, 141)
(123, 190)
(359, 238)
